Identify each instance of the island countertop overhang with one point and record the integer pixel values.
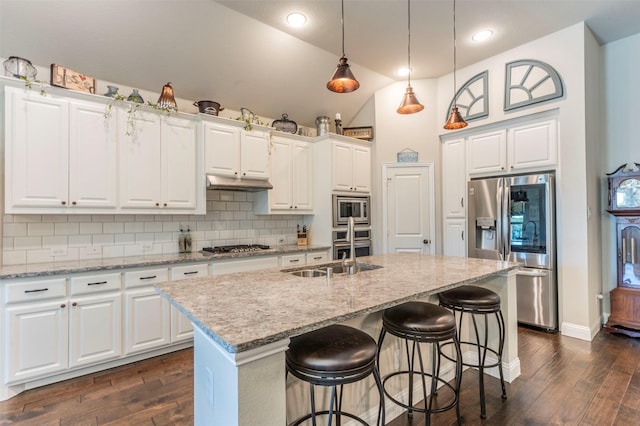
(243, 311)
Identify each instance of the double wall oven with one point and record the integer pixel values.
(359, 207)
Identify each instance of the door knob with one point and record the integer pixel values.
(426, 241)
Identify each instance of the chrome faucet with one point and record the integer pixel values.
(351, 238)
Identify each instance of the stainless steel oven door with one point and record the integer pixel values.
(363, 248)
(340, 235)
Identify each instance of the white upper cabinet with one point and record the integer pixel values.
(291, 170)
(454, 178)
(487, 152)
(60, 155)
(159, 166)
(517, 148)
(233, 152)
(533, 145)
(66, 155)
(350, 167)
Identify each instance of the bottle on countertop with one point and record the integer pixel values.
(182, 242)
(187, 241)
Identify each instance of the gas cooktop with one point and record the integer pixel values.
(238, 248)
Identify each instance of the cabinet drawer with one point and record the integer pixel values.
(95, 283)
(35, 290)
(146, 277)
(319, 257)
(293, 260)
(189, 271)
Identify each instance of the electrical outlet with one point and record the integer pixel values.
(93, 250)
(147, 246)
(58, 251)
(281, 239)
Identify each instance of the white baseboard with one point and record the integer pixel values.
(579, 331)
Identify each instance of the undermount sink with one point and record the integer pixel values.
(321, 270)
(309, 273)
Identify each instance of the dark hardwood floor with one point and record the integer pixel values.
(564, 381)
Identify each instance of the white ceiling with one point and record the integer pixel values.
(242, 54)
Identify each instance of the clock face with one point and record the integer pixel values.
(628, 194)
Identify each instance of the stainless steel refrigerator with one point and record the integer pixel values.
(513, 218)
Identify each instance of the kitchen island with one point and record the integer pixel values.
(243, 323)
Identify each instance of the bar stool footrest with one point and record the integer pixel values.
(447, 407)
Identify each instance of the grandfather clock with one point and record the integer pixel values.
(623, 201)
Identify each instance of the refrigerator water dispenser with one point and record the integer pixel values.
(486, 233)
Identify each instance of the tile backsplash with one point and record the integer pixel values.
(229, 220)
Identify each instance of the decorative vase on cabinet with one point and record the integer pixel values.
(623, 201)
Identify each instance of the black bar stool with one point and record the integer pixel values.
(479, 301)
(421, 322)
(334, 356)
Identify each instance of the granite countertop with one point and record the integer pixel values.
(58, 268)
(246, 310)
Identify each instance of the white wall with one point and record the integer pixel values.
(620, 142)
(569, 51)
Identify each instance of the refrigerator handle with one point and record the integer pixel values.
(499, 233)
(506, 219)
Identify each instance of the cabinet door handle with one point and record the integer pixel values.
(73, 203)
(97, 283)
(74, 304)
(149, 278)
(157, 204)
(462, 235)
(165, 204)
(36, 290)
(426, 241)
(64, 202)
(461, 201)
(190, 272)
(63, 306)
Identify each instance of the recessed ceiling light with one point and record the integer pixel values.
(296, 19)
(402, 72)
(482, 35)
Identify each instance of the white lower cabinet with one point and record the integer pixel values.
(36, 340)
(317, 257)
(147, 321)
(455, 242)
(181, 328)
(47, 332)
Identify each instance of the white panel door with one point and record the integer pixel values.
(93, 169)
(222, 149)
(140, 163)
(487, 152)
(179, 163)
(342, 166)
(147, 320)
(454, 183)
(533, 145)
(455, 243)
(95, 324)
(280, 197)
(36, 340)
(409, 209)
(181, 328)
(37, 149)
(361, 168)
(254, 155)
(302, 176)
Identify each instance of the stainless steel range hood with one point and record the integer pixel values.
(236, 184)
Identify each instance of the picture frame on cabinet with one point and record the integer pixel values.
(69, 79)
(365, 133)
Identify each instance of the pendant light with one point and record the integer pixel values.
(343, 80)
(410, 103)
(455, 120)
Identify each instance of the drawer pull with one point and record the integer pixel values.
(317, 258)
(191, 272)
(36, 290)
(149, 278)
(98, 283)
(294, 260)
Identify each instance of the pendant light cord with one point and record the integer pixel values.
(455, 84)
(342, 23)
(409, 40)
